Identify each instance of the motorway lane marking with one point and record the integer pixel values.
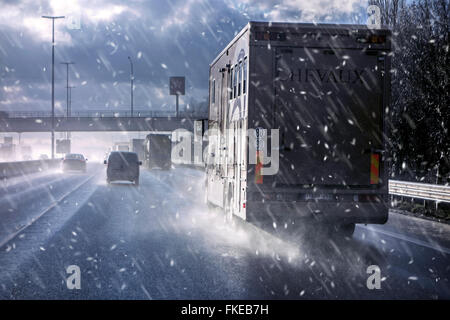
(53, 205)
(433, 246)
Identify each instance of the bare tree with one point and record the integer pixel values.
(389, 11)
(420, 115)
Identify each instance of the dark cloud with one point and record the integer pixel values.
(163, 38)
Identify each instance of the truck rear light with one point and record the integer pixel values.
(258, 167)
(377, 39)
(243, 205)
(374, 168)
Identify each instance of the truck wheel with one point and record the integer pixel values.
(136, 182)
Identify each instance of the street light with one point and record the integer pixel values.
(67, 86)
(70, 100)
(132, 78)
(67, 94)
(53, 79)
(69, 106)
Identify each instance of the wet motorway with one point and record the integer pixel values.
(159, 241)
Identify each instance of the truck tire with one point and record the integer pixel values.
(136, 182)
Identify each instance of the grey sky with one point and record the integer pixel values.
(164, 38)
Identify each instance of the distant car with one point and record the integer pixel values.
(123, 166)
(74, 161)
(43, 157)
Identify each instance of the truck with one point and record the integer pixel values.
(297, 118)
(137, 146)
(158, 148)
(121, 146)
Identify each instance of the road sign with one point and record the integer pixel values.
(177, 86)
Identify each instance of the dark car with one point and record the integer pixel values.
(123, 166)
(74, 161)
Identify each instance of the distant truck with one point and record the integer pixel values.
(158, 149)
(121, 146)
(324, 89)
(138, 146)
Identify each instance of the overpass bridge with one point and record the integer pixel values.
(90, 121)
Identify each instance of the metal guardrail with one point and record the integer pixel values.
(18, 168)
(106, 114)
(425, 191)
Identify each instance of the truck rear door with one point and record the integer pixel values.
(329, 108)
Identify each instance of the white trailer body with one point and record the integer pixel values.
(325, 88)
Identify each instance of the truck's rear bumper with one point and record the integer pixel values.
(327, 212)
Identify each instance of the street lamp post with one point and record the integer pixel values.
(132, 78)
(53, 79)
(69, 107)
(70, 100)
(67, 86)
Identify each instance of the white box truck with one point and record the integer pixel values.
(297, 125)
